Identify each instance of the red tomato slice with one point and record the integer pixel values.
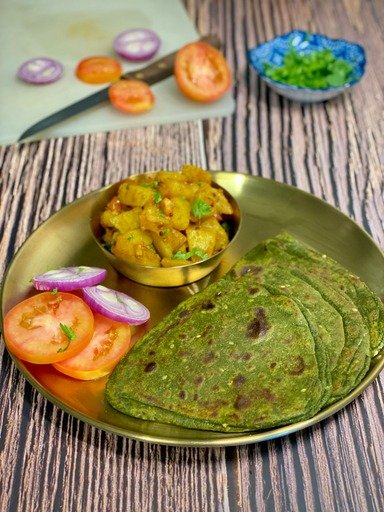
(201, 72)
(48, 327)
(98, 70)
(110, 341)
(132, 96)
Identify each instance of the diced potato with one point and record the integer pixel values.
(175, 239)
(107, 218)
(221, 204)
(161, 246)
(193, 173)
(136, 247)
(146, 255)
(169, 176)
(170, 212)
(115, 205)
(125, 221)
(178, 189)
(201, 238)
(135, 195)
(221, 235)
(166, 206)
(180, 217)
(184, 247)
(215, 198)
(169, 262)
(167, 242)
(153, 219)
(138, 236)
(145, 181)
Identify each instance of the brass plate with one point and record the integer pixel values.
(267, 208)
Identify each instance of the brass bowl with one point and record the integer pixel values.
(161, 276)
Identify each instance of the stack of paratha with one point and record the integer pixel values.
(286, 332)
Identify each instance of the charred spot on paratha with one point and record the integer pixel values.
(258, 326)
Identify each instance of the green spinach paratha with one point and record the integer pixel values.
(369, 305)
(283, 334)
(352, 348)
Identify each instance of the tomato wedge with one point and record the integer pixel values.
(201, 72)
(48, 327)
(98, 70)
(132, 96)
(110, 341)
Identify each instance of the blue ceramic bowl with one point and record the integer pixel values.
(273, 52)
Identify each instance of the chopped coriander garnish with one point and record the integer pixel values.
(151, 184)
(68, 331)
(157, 197)
(200, 208)
(314, 70)
(54, 291)
(196, 251)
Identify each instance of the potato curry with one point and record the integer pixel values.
(167, 218)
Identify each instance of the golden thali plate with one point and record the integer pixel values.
(267, 208)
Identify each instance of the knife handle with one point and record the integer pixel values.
(163, 68)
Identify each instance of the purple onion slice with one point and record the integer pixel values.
(40, 70)
(69, 278)
(137, 44)
(115, 305)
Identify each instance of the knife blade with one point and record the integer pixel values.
(153, 73)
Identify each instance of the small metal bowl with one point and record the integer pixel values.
(273, 52)
(161, 276)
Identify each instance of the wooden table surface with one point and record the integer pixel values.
(51, 461)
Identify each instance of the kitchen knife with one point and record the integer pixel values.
(154, 72)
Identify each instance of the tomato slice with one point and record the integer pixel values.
(201, 72)
(110, 341)
(98, 70)
(132, 96)
(48, 327)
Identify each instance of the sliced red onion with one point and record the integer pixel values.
(40, 70)
(137, 44)
(69, 278)
(115, 305)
